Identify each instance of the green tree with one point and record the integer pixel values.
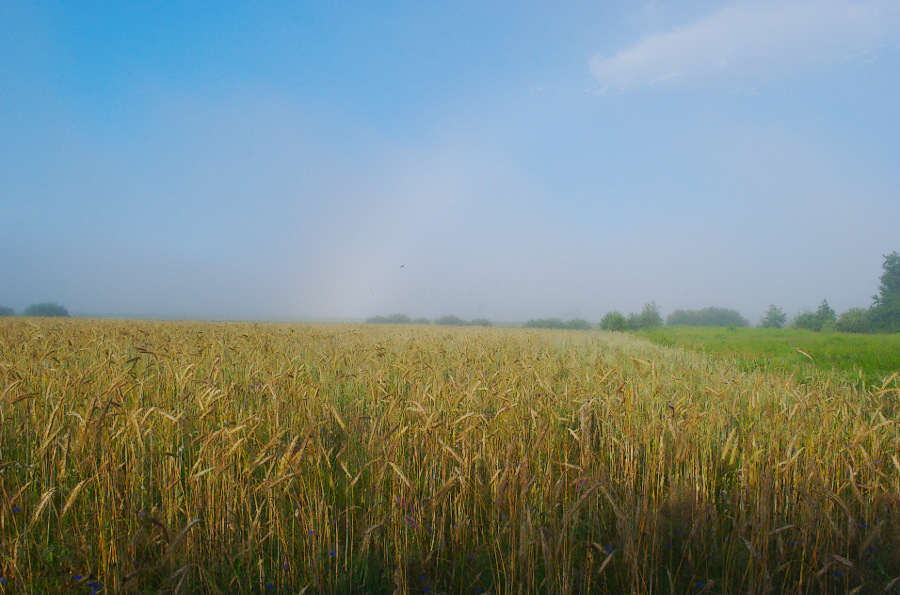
(614, 321)
(774, 318)
(46, 309)
(886, 309)
(480, 322)
(5, 311)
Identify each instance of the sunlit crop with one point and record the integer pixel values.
(224, 457)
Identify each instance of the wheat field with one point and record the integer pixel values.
(234, 457)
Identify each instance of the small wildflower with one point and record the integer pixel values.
(270, 586)
(77, 577)
(17, 509)
(332, 553)
(609, 548)
(699, 583)
(2, 580)
(838, 574)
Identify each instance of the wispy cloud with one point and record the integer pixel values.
(748, 42)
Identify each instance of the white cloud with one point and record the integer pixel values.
(746, 42)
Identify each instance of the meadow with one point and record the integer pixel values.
(871, 359)
(230, 457)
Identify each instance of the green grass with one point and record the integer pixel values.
(871, 358)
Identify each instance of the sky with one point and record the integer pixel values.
(502, 160)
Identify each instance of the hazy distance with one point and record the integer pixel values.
(508, 161)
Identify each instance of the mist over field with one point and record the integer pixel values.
(501, 161)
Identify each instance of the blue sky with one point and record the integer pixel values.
(508, 160)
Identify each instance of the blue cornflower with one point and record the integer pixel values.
(609, 548)
(699, 583)
(332, 553)
(270, 586)
(17, 509)
(2, 580)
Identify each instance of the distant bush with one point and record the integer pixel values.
(806, 320)
(545, 323)
(392, 319)
(854, 320)
(648, 318)
(450, 320)
(420, 321)
(614, 321)
(4, 311)
(49, 309)
(480, 322)
(822, 318)
(574, 324)
(706, 317)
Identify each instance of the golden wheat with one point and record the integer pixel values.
(215, 457)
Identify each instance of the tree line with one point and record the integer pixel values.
(883, 316)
